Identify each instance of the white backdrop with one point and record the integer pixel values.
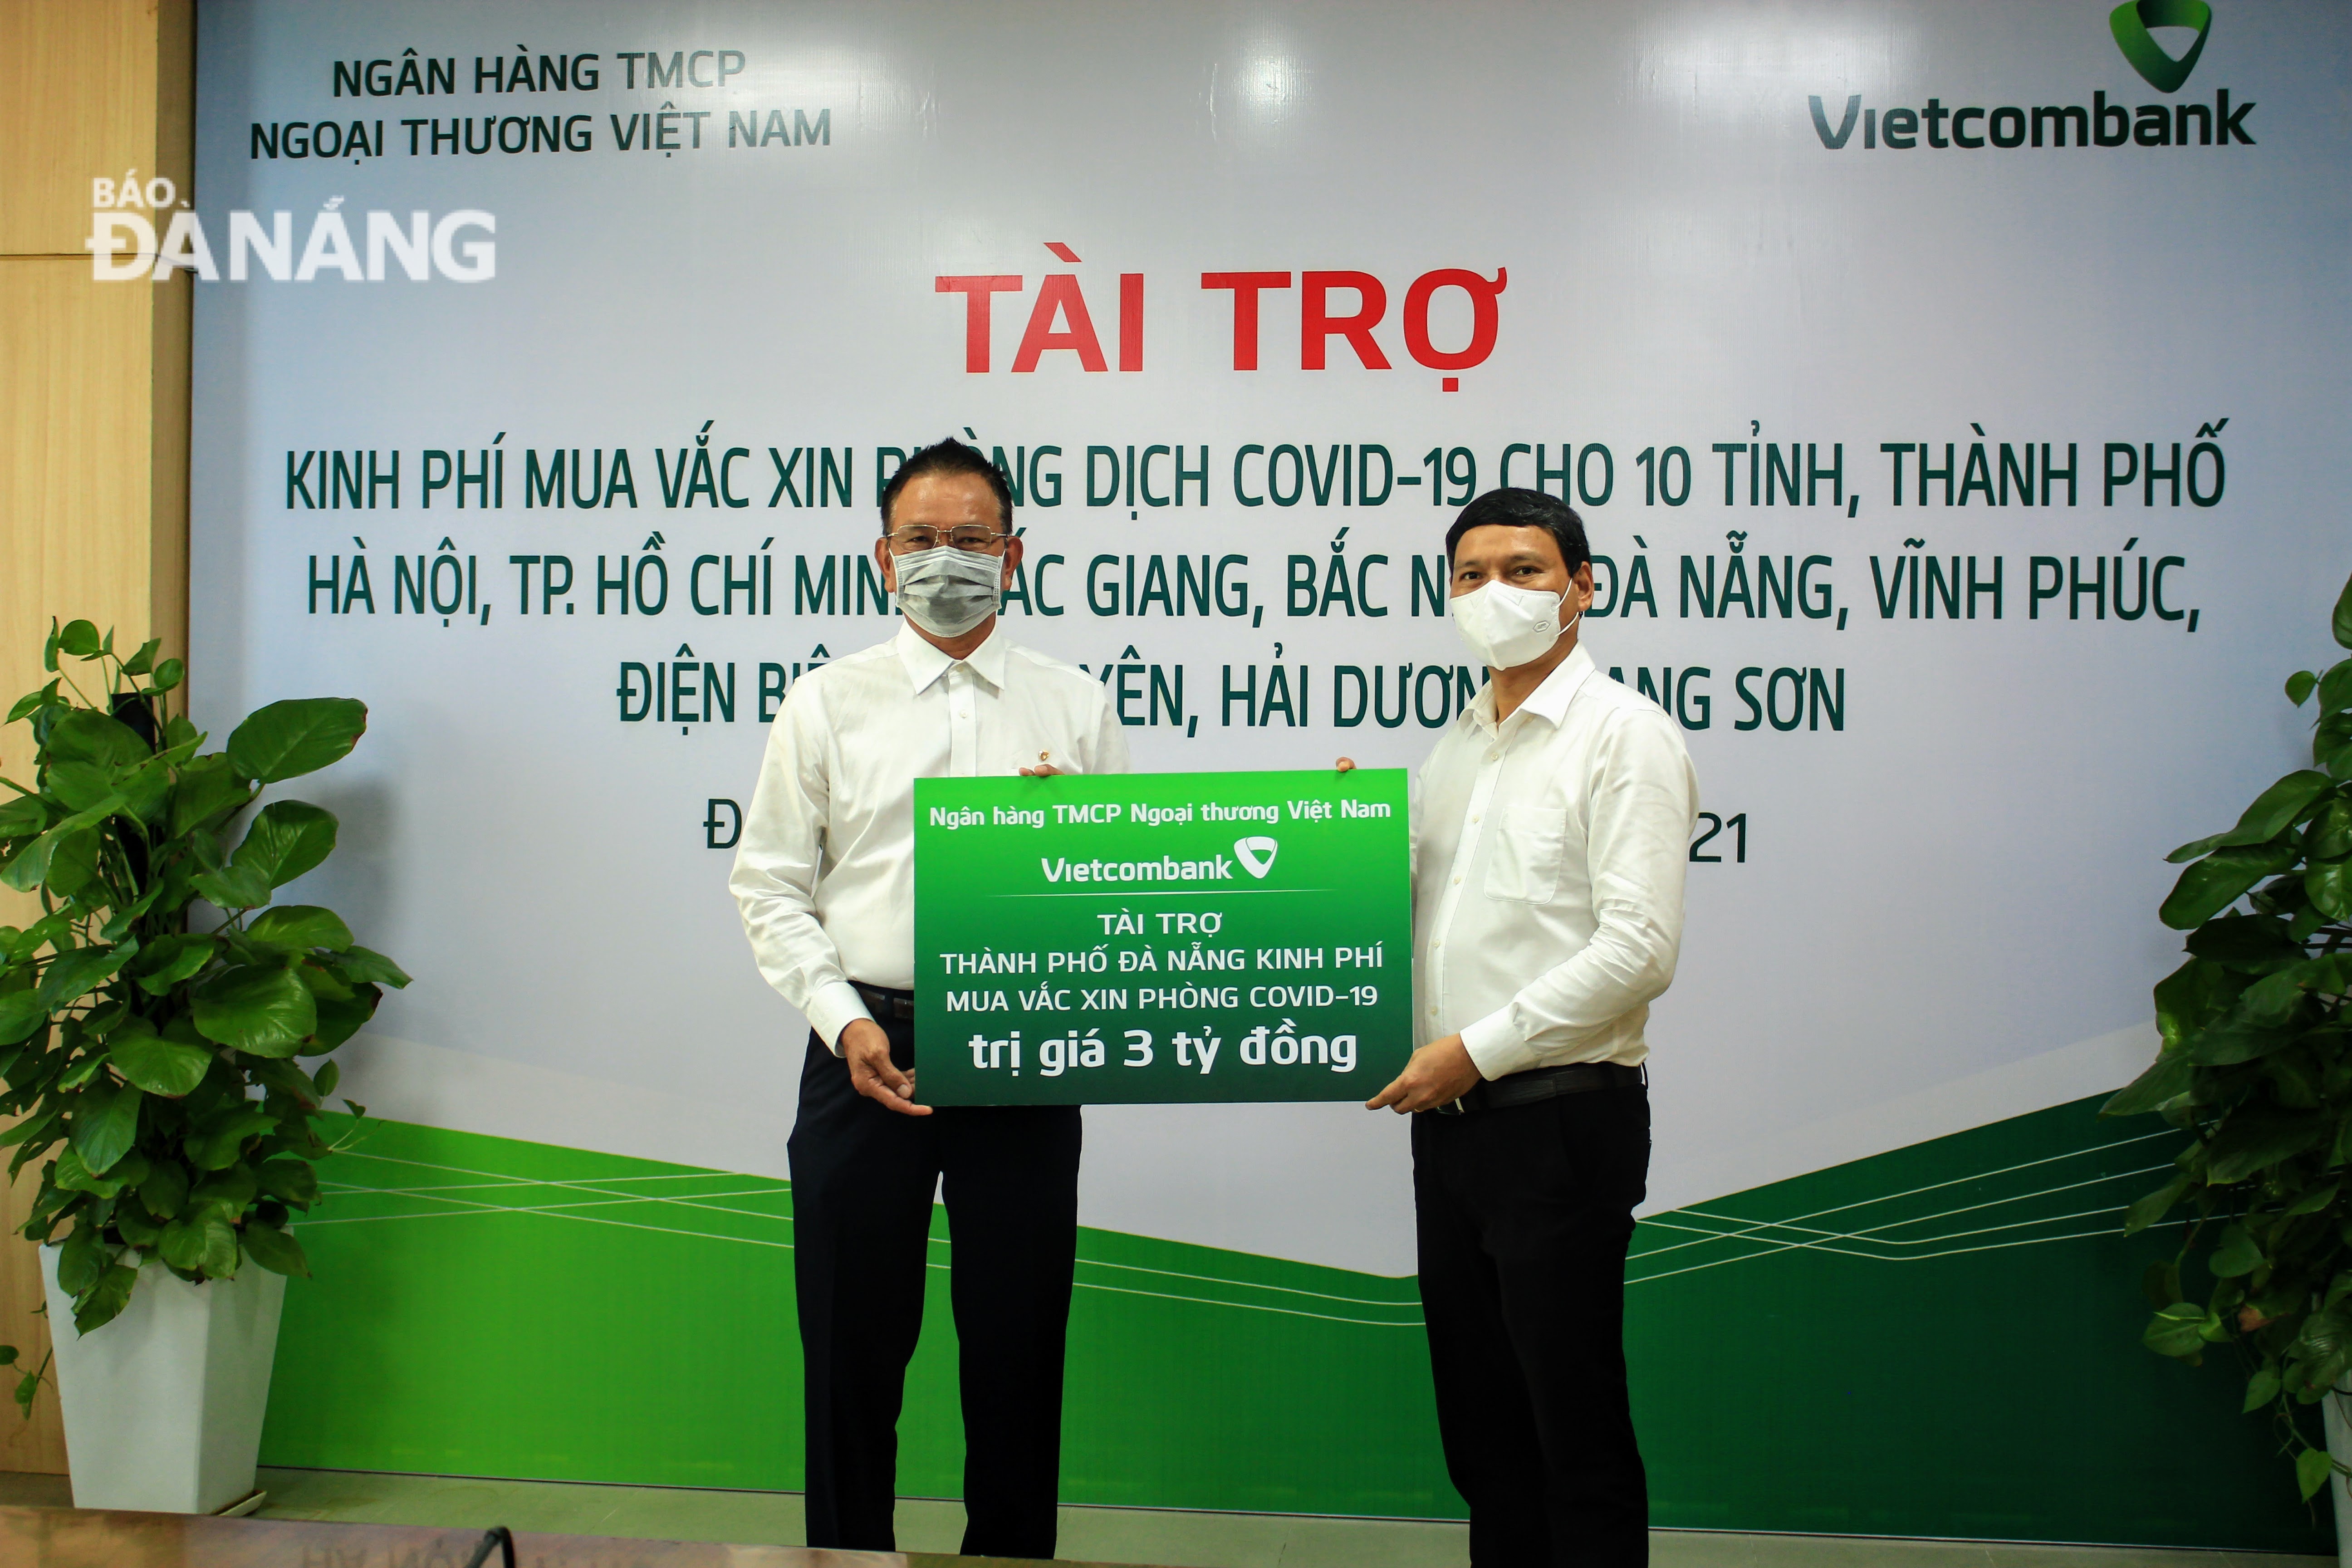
(1946, 911)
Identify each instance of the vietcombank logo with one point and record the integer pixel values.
(2130, 23)
(2098, 123)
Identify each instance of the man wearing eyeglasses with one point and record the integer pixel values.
(825, 878)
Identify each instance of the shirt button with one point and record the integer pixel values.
(1458, 881)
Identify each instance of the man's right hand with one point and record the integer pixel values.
(866, 1048)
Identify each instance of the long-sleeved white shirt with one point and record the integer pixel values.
(1548, 874)
(824, 873)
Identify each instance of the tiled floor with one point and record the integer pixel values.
(1089, 1535)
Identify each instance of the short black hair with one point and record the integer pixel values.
(1525, 508)
(950, 457)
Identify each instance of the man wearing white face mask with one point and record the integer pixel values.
(1552, 826)
(825, 878)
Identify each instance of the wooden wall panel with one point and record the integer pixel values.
(93, 415)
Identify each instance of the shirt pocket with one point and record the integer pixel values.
(1530, 843)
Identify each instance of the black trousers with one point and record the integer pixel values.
(1524, 1216)
(863, 1178)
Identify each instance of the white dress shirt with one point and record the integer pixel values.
(1548, 873)
(825, 874)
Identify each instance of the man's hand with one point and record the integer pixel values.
(1438, 1073)
(872, 1073)
(1344, 765)
(1045, 768)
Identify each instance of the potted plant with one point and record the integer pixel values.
(2256, 1068)
(150, 1025)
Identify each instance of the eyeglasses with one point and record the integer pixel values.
(914, 540)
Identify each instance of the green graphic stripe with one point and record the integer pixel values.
(528, 1197)
(632, 1321)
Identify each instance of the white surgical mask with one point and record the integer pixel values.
(1508, 626)
(947, 591)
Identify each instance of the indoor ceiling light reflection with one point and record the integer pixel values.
(1261, 88)
(1715, 61)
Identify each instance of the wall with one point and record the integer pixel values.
(94, 413)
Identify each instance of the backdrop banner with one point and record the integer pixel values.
(1953, 394)
(1141, 930)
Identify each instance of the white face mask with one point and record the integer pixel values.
(1508, 626)
(947, 591)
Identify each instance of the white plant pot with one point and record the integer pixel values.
(2339, 1449)
(164, 1405)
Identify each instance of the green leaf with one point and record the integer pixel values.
(229, 1190)
(2254, 944)
(21, 1013)
(105, 1123)
(2273, 811)
(2330, 838)
(2160, 1283)
(2167, 1077)
(2237, 1256)
(326, 1077)
(33, 702)
(168, 674)
(2251, 1141)
(79, 640)
(299, 928)
(105, 1298)
(2315, 1200)
(207, 788)
(275, 1250)
(30, 868)
(2343, 627)
(72, 1176)
(2329, 883)
(2312, 1468)
(2235, 1040)
(287, 839)
(166, 1189)
(340, 1018)
(2177, 1331)
(295, 1180)
(2299, 685)
(70, 976)
(2336, 688)
(366, 965)
(301, 735)
(168, 1067)
(204, 1243)
(2146, 1211)
(173, 959)
(86, 736)
(220, 1141)
(2271, 1001)
(2280, 806)
(142, 661)
(81, 1260)
(234, 886)
(24, 814)
(2219, 881)
(267, 1012)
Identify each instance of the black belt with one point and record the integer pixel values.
(1545, 1083)
(886, 1004)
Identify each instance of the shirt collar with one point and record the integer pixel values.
(1549, 700)
(925, 664)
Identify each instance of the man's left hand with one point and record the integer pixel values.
(1438, 1073)
(1043, 769)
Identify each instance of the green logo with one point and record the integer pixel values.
(2130, 23)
